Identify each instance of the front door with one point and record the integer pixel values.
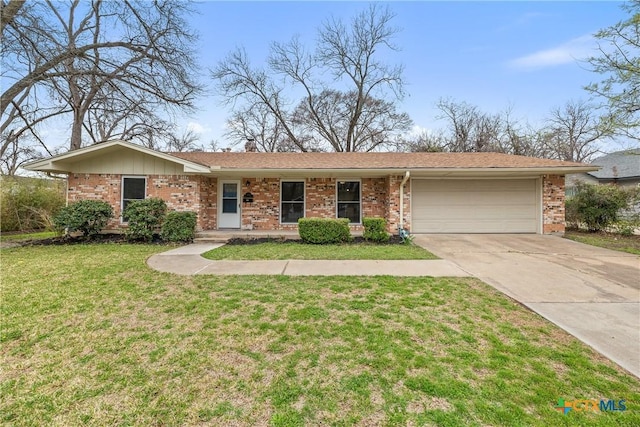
(229, 204)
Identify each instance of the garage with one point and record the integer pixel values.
(475, 205)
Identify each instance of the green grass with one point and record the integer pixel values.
(617, 242)
(297, 250)
(91, 336)
(4, 237)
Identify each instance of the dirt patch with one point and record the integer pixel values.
(4, 245)
(428, 404)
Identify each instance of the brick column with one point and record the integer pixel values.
(553, 204)
(393, 206)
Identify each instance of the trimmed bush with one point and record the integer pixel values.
(179, 227)
(29, 203)
(144, 218)
(324, 230)
(375, 230)
(596, 206)
(86, 216)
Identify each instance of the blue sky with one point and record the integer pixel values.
(491, 54)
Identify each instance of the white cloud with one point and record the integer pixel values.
(417, 131)
(197, 128)
(566, 53)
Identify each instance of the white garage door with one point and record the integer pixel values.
(474, 206)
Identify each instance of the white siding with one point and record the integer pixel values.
(127, 162)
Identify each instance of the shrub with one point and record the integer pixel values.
(375, 230)
(626, 227)
(85, 216)
(29, 203)
(179, 227)
(144, 218)
(324, 231)
(571, 213)
(596, 206)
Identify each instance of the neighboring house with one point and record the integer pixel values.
(621, 168)
(422, 192)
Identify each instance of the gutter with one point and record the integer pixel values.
(382, 172)
(407, 174)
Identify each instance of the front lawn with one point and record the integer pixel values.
(90, 336)
(298, 250)
(617, 242)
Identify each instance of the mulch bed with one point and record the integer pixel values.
(394, 240)
(120, 238)
(79, 240)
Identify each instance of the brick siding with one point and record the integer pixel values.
(393, 203)
(180, 192)
(380, 198)
(208, 213)
(553, 204)
(263, 213)
(97, 187)
(320, 201)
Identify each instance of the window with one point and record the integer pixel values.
(349, 200)
(132, 189)
(230, 197)
(291, 201)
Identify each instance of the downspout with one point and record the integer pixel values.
(404, 181)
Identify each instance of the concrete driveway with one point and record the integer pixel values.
(592, 293)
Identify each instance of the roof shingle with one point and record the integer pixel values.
(618, 165)
(251, 160)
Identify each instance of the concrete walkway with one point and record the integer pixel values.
(592, 293)
(187, 261)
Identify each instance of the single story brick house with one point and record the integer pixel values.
(422, 192)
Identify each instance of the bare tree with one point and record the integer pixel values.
(259, 124)
(573, 132)
(185, 142)
(468, 129)
(428, 142)
(329, 116)
(16, 151)
(129, 118)
(8, 12)
(364, 117)
(97, 60)
(619, 62)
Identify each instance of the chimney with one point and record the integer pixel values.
(250, 146)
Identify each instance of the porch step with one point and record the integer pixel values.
(212, 239)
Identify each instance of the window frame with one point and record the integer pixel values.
(304, 200)
(122, 199)
(359, 181)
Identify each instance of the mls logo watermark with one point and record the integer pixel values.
(590, 405)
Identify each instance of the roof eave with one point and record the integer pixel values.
(561, 170)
